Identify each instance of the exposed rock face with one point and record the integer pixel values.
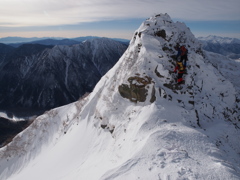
(161, 33)
(137, 91)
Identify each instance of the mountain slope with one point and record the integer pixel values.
(43, 80)
(4, 51)
(229, 47)
(220, 40)
(137, 123)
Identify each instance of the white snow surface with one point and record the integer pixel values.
(171, 138)
(14, 118)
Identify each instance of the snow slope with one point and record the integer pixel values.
(189, 131)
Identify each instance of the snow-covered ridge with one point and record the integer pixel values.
(189, 131)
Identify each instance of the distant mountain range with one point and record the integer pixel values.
(9, 40)
(220, 40)
(18, 41)
(37, 77)
(229, 47)
(226, 46)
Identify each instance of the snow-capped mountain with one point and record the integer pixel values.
(220, 40)
(229, 47)
(138, 123)
(52, 41)
(38, 78)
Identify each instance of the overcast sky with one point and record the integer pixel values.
(114, 18)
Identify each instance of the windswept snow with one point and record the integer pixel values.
(189, 132)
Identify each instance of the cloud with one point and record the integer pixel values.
(15, 13)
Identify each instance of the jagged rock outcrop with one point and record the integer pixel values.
(137, 91)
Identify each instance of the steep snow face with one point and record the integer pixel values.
(188, 131)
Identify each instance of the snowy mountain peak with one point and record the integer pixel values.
(138, 123)
(151, 56)
(171, 33)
